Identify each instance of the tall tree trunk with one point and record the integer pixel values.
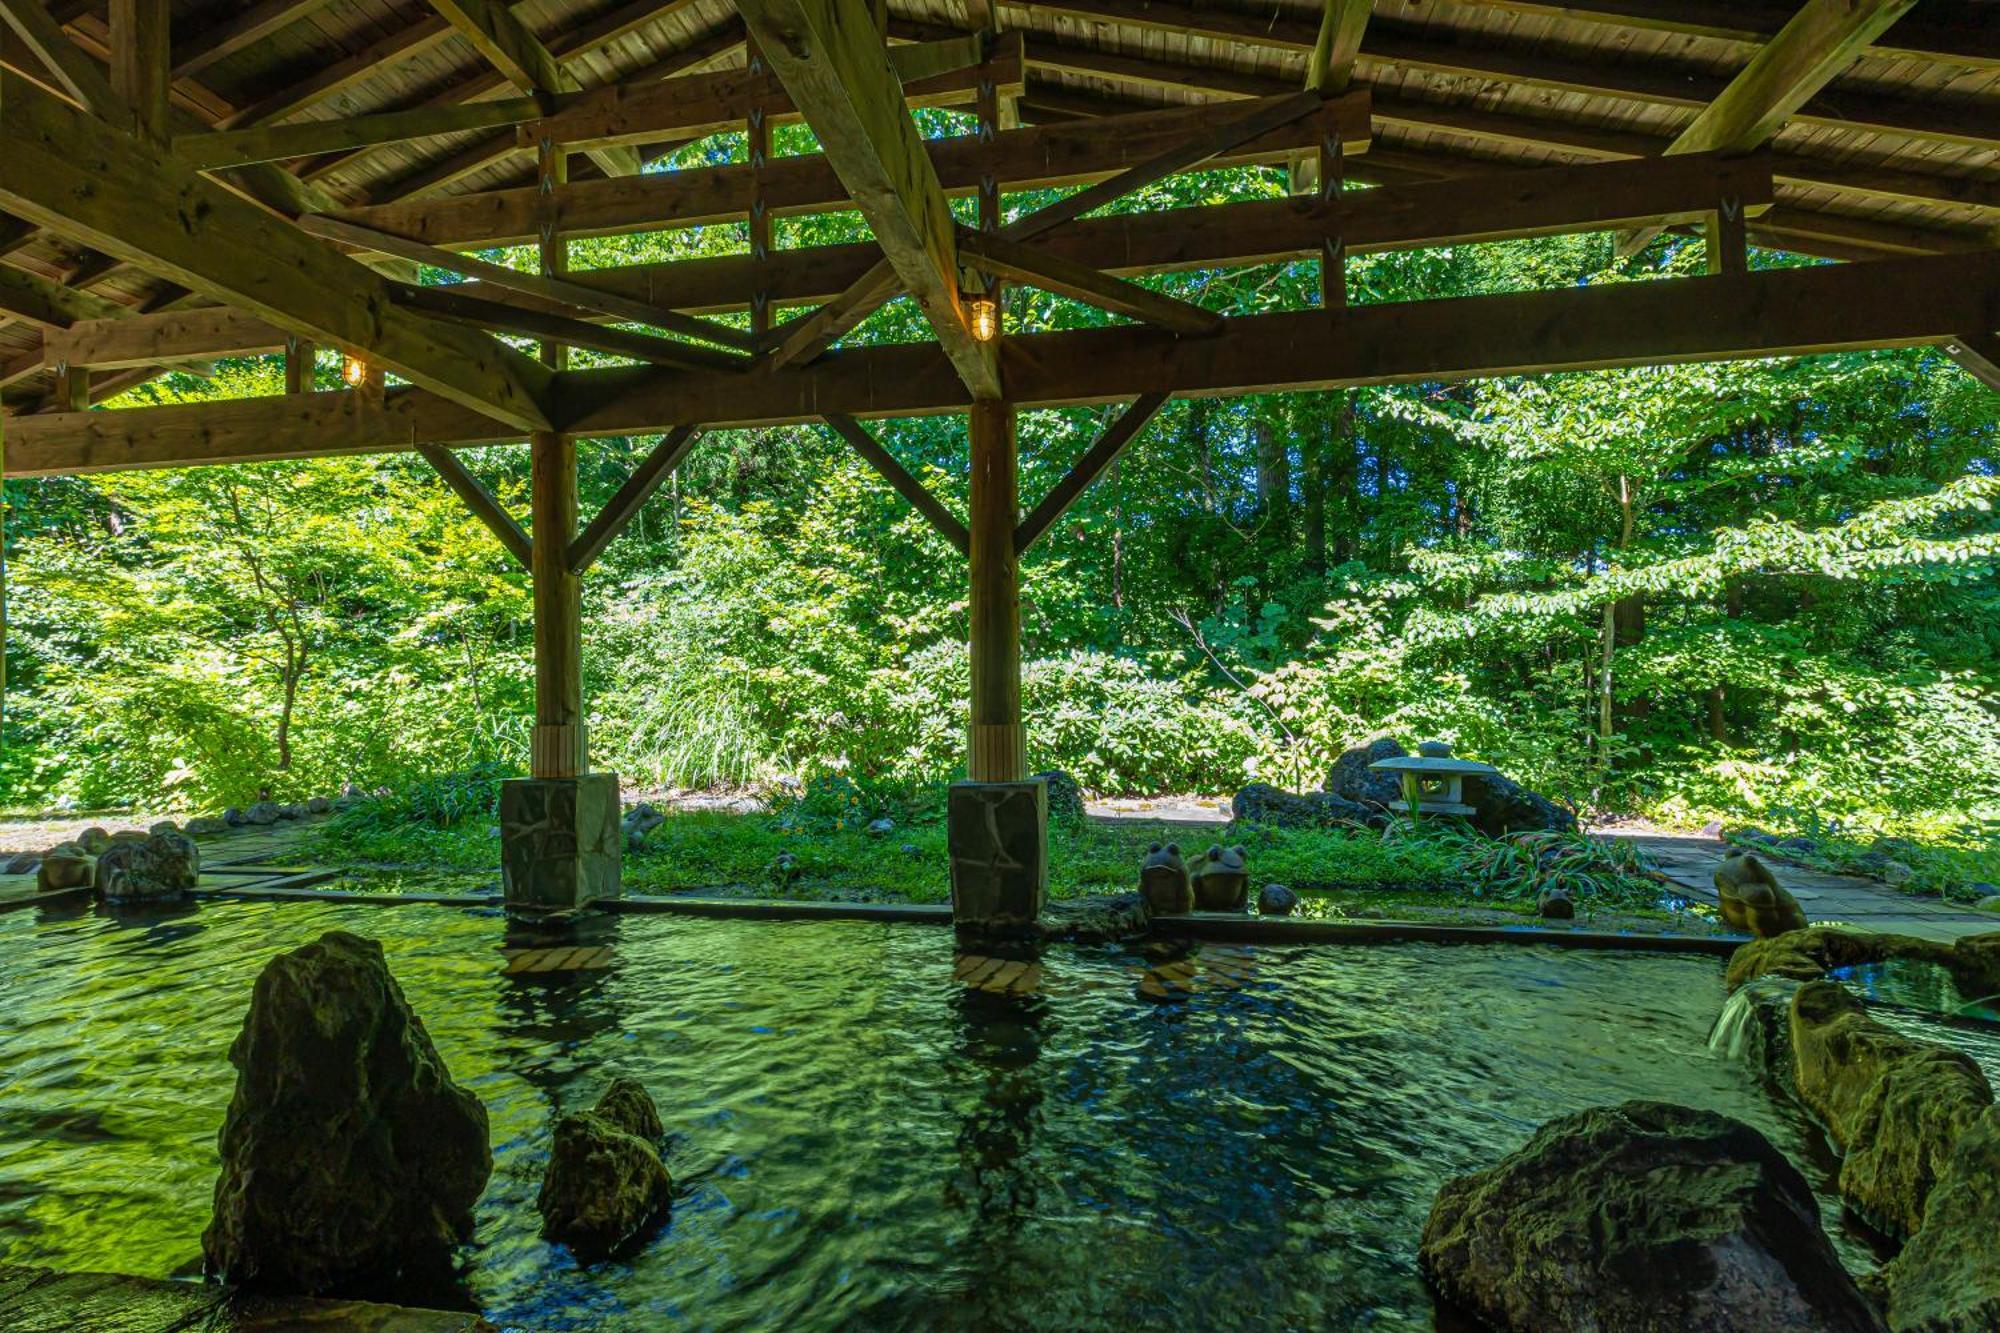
(1343, 482)
(1274, 468)
(1317, 457)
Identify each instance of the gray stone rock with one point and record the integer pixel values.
(640, 820)
(1261, 803)
(1096, 920)
(1434, 749)
(1894, 873)
(783, 870)
(1947, 1279)
(291, 811)
(262, 813)
(203, 825)
(605, 1185)
(1797, 846)
(1276, 900)
(1351, 779)
(1641, 1218)
(161, 869)
(164, 826)
(236, 817)
(350, 1158)
(1065, 796)
(319, 805)
(1501, 806)
(1555, 904)
(881, 828)
(93, 840)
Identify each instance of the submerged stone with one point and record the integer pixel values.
(1896, 1106)
(1641, 1218)
(606, 1185)
(1096, 920)
(350, 1159)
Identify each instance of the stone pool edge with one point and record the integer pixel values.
(1221, 926)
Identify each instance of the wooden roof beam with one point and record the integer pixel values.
(1028, 158)
(134, 201)
(233, 34)
(1809, 52)
(1330, 67)
(1778, 312)
(831, 59)
(527, 64)
(1978, 356)
(170, 335)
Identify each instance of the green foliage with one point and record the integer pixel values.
(1689, 591)
(1594, 872)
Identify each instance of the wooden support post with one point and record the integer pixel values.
(559, 749)
(998, 745)
(73, 388)
(1728, 242)
(988, 110)
(141, 58)
(759, 154)
(300, 359)
(1333, 252)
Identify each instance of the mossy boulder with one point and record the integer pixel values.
(350, 1158)
(1973, 963)
(1947, 1279)
(1895, 1106)
(606, 1186)
(1261, 803)
(1641, 1218)
(1065, 796)
(154, 870)
(1351, 779)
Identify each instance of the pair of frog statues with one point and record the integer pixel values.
(1219, 882)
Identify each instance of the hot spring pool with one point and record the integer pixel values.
(860, 1142)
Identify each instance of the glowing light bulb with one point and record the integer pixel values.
(353, 371)
(985, 312)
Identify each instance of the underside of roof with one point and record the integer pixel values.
(1897, 155)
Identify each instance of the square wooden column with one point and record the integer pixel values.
(997, 821)
(561, 841)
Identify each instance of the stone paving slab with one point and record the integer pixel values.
(1689, 860)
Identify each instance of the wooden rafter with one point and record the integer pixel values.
(561, 290)
(171, 335)
(1821, 40)
(520, 56)
(233, 34)
(943, 522)
(1778, 312)
(1096, 459)
(626, 502)
(480, 501)
(78, 74)
(483, 312)
(1483, 207)
(831, 60)
(1978, 356)
(127, 198)
(1330, 67)
(1004, 258)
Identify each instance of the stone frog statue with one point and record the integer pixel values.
(1752, 899)
(1163, 881)
(1222, 880)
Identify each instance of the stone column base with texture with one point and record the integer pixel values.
(560, 842)
(999, 838)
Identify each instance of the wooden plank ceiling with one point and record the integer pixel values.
(1884, 139)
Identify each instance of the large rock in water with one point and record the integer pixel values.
(1350, 778)
(605, 1182)
(350, 1159)
(1501, 806)
(158, 869)
(1896, 1107)
(1641, 1218)
(1947, 1279)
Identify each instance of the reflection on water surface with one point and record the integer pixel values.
(858, 1140)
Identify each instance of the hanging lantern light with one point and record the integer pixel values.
(985, 313)
(353, 371)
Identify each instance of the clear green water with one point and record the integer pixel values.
(857, 1141)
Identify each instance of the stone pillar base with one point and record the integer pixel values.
(999, 838)
(560, 842)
